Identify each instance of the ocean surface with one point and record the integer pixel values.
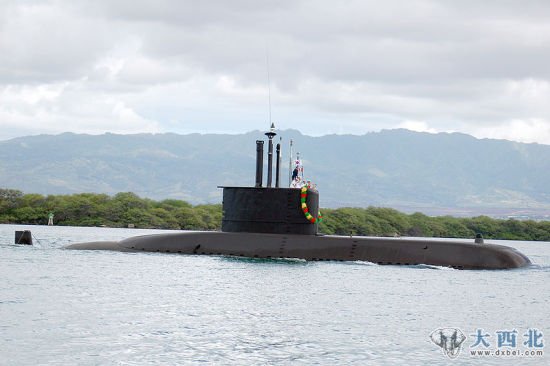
(65, 307)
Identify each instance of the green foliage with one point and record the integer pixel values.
(121, 210)
(375, 221)
(9, 199)
(89, 209)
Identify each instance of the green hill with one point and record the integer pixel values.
(395, 168)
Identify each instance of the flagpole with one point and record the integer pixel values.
(290, 165)
(302, 168)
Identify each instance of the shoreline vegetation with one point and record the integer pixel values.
(127, 209)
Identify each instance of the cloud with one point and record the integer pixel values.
(531, 130)
(418, 126)
(57, 108)
(353, 67)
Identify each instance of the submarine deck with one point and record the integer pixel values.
(398, 251)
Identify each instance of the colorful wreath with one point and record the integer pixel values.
(303, 196)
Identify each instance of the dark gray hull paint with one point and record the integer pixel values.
(454, 254)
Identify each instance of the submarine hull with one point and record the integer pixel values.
(456, 254)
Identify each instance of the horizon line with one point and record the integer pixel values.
(257, 130)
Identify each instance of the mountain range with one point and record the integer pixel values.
(433, 173)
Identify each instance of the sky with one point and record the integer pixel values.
(322, 67)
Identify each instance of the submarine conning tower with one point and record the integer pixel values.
(273, 210)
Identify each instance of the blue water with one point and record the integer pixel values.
(63, 307)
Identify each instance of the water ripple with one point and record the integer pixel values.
(60, 307)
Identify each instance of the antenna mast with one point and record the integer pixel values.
(290, 164)
(268, 83)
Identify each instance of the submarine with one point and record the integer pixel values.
(279, 222)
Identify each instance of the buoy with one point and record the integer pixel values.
(23, 237)
(478, 239)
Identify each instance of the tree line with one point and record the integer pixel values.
(120, 210)
(377, 221)
(123, 209)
